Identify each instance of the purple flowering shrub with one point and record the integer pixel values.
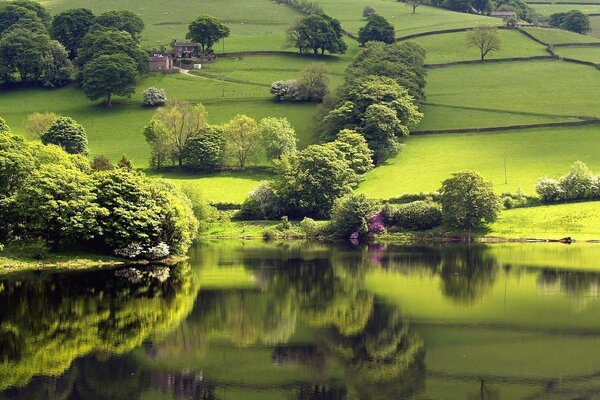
(376, 224)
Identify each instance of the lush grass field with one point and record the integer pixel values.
(595, 24)
(549, 9)
(451, 47)
(529, 154)
(550, 36)
(426, 19)
(581, 221)
(591, 53)
(119, 130)
(255, 24)
(524, 88)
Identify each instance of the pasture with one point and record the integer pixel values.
(451, 47)
(530, 154)
(554, 36)
(585, 53)
(549, 9)
(255, 24)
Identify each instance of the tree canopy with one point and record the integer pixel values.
(485, 38)
(109, 75)
(70, 26)
(318, 33)
(377, 29)
(122, 20)
(206, 31)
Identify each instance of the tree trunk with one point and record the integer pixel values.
(414, 8)
(109, 101)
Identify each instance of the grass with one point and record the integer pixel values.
(591, 53)
(426, 19)
(519, 88)
(452, 47)
(255, 24)
(548, 9)
(529, 154)
(555, 36)
(581, 221)
(595, 25)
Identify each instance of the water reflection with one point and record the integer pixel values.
(252, 320)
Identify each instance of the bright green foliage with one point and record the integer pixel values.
(468, 201)
(4, 128)
(121, 20)
(68, 134)
(355, 149)
(12, 14)
(104, 41)
(56, 204)
(109, 75)
(578, 184)
(352, 214)
(382, 128)
(206, 31)
(377, 29)
(318, 32)
(16, 164)
(415, 215)
(309, 182)
(206, 150)
(278, 137)
(70, 26)
(242, 140)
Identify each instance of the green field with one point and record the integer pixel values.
(451, 47)
(585, 53)
(255, 24)
(530, 154)
(553, 36)
(549, 9)
(426, 19)
(519, 88)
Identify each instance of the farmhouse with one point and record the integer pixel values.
(186, 50)
(161, 63)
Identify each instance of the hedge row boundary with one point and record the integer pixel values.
(493, 60)
(595, 121)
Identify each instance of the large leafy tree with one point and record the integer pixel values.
(103, 41)
(574, 21)
(122, 20)
(23, 51)
(355, 149)
(70, 26)
(11, 14)
(68, 134)
(206, 31)
(278, 137)
(205, 151)
(109, 75)
(56, 66)
(38, 9)
(468, 201)
(377, 29)
(242, 137)
(318, 33)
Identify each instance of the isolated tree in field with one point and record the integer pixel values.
(38, 123)
(468, 201)
(206, 31)
(68, 134)
(377, 29)
(109, 75)
(122, 20)
(414, 4)
(70, 26)
(242, 137)
(318, 32)
(368, 11)
(172, 127)
(278, 137)
(486, 39)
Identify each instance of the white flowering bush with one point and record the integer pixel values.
(161, 250)
(154, 97)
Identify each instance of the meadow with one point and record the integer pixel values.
(554, 36)
(530, 154)
(549, 9)
(451, 47)
(585, 53)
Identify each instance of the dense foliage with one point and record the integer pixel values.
(416, 215)
(574, 21)
(578, 184)
(154, 97)
(68, 134)
(70, 26)
(317, 33)
(377, 29)
(351, 215)
(206, 31)
(311, 86)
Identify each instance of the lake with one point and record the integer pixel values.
(310, 321)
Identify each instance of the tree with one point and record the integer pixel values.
(351, 214)
(109, 75)
(56, 68)
(368, 11)
(313, 83)
(414, 4)
(102, 163)
(318, 32)
(70, 26)
(125, 163)
(23, 51)
(278, 137)
(377, 29)
(68, 134)
(575, 21)
(468, 201)
(122, 20)
(104, 41)
(485, 38)
(206, 150)
(355, 149)
(4, 128)
(38, 123)
(382, 129)
(242, 136)
(11, 14)
(38, 9)
(206, 31)
(172, 127)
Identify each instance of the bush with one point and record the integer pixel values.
(579, 183)
(102, 163)
(154, 97)
(68, 134)
(351, 214)
(549, 190)
(38, 250)
(205, 151)
(262, 203)
(418, 215)
(411, 197)
(285, 90)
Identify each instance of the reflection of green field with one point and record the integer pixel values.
(255, 24)
(451, 47)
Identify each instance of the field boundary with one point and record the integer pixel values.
(493, 60)
(591, 44)
(441, 32)
(595, 121)
(530, 36)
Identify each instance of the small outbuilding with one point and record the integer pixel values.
(161, 63)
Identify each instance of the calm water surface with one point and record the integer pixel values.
(248, 320)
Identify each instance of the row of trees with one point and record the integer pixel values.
(578, 184)
(317, 33)
(49, 194)
(181, 136)
(573, 20)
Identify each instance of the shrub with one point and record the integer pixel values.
(125, 163)
(410, 197)
(285, 90)
(351, 214)
(205, 151)
(102, 163)
(4, 128)
(418, 215)
(549, 190)
(262, 203)
(38, 250)
(154, 97)
(310, 227)
(368, 11)
(68, 134)
(579, 183)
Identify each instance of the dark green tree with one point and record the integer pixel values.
(68, 134)
(103, 41)
(23, 51)
(122, 20)
(206, 31)
(351, 214)
(206, 150)
(36, 8)
(377, 29)
(109, 75)
(11, 14)
(318, 33)
(70, 26)
(576, 21)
